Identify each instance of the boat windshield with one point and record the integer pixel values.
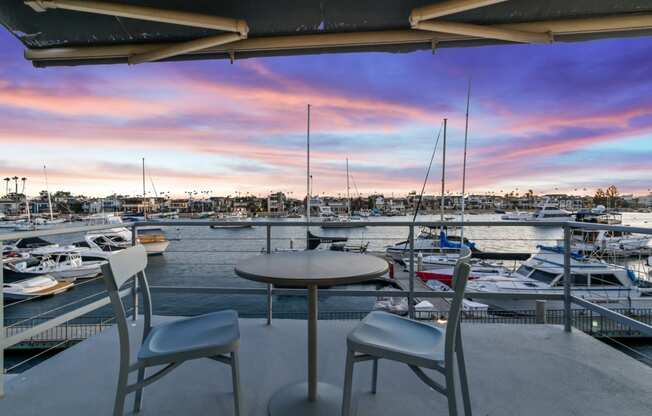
(605, 279)
(543, 276)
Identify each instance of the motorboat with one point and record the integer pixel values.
(546, 212)
(343, 222)
(100, 246)
(515, 216)
(609, 285)
(39, 224)
(62, 265)
(430, 240)
(35, 287)
(232, 221)
(437, 286)
(152, 237)
(601, 243)
(445, 274)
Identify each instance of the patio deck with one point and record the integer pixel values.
(514, 370)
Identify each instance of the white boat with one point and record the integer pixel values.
(546, 212)
(63, 265)
(151, 237)
(34, 287)
(39, 224)
(343, 222)
(599, 282)
(437, 286)
(515, 216)
(607, 242)
(237, 220)
(100, 246)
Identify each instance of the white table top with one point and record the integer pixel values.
(311, 267)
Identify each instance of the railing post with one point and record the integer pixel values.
(269, 287)
(2, 328)
(567, 278)
(411, 288)
(134, 287)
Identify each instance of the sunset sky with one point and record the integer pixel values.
(566, 116)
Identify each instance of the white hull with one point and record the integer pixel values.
(39, 286)
(156, 248)
(506, 304)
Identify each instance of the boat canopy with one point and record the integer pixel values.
(80, 32)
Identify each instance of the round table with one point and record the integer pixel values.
(310, 269)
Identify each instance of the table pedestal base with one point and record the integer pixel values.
(293, 400)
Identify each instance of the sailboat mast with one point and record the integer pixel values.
(144, 207)
(47, 189)
(466, 143)
(348, 188)
(308, 170)
(443, 172)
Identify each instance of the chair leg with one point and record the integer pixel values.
(235, 374)
(138, 399)
(348, 382)
(374, 376)
(466, 397)
(121, 393)
(450, 389)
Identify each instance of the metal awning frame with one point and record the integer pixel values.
(425, 23)
(236, 29)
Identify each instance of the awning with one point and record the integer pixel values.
(79, 32)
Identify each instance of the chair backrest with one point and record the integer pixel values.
(460, 277)
(124, 265)
(121, 267)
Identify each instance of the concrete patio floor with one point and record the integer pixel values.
(514, 370)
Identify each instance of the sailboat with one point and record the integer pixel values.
(347, 221)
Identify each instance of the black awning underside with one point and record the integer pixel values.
(272, 18)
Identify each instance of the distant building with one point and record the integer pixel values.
(12, 204)
(276, 203)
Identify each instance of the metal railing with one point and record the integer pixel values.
(8, 340)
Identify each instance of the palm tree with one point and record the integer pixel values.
(7, 185)
(15, 178)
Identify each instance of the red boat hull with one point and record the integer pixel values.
(443, 275)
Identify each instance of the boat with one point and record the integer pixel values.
(99, 246)
(343, 222)
(600, 243)
(237, 220)
(430, 240)
(347, 221)
(437, 286)
(546, 212)
(445, 274)
(35, 287)
(152, 237)
(62, 265)
(609, 285)
(38, 224)
(515, 216)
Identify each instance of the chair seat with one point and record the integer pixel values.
(196, 337)
(384, 335)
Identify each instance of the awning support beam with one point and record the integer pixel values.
(487, 32)
(447, 8)
(144, 13)
(184, 47)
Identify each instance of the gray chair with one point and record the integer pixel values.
(381, 335)
(214, 335)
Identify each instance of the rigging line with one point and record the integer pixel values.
(425, 181)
